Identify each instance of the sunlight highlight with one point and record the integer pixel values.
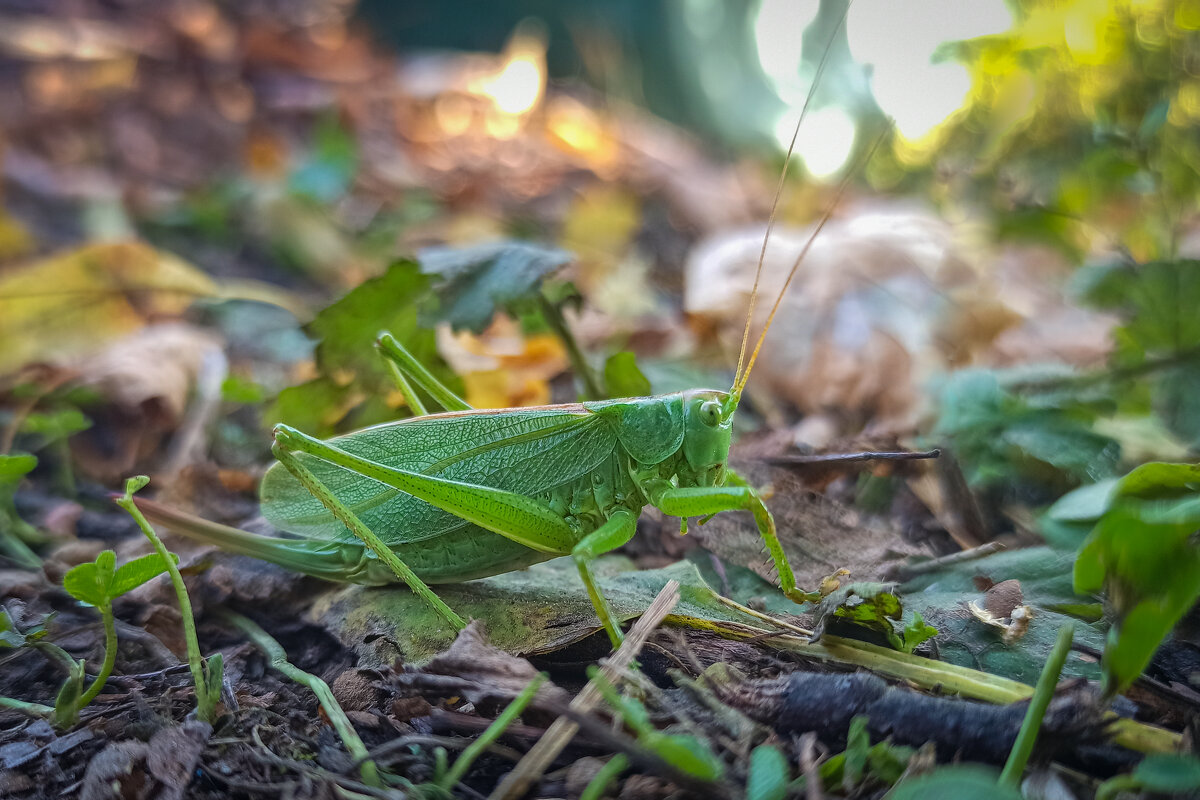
(519, 84)
(824, 142)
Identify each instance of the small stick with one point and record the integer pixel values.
(559, 734)
(823, 459)
(962, 556)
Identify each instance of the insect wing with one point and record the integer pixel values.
(531, 452)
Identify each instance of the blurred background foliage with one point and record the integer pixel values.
(290, 155)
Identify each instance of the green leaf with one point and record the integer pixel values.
(56, 425)
(916, 632)
(66, 703)
(858, 743)
(1173, 773)
(1142, 554)
(688, 754)
(623, 378)
(236, 389)
(1177, 402)
(315, 406)
(475, 281)
(352, 374)
(133, 574)
(14, 467)
(9, 635)
(768, 776)
(91, 583)
(347, 328)
(1158, 301)
(1046, 582)
(955, 783)
(1000, 437)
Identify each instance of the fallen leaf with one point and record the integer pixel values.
(538, 610)
(75, 302)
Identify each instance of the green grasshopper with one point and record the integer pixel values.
(469, 493)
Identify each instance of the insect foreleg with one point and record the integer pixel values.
(404, 365)
(700, 501)
(616, 531)
(359, 529)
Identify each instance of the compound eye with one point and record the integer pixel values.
(710, 413)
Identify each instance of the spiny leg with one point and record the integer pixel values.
(404, 365)
(701, 501)
(616, 531)
(359, 529)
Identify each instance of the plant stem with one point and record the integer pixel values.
(1115, 785)
(501, 723)
(56, 654)
(205, 705)
(12, 545)
(329, 704)
(554, 318)
(604, 776)
(110, 657)
(32, 709)
(1014, 768)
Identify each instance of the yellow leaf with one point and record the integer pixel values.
(75, 302)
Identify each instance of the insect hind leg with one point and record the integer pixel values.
(348, 518)
(405, 366)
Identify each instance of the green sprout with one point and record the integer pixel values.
(96, 584)
(206, 676)
(15, 533)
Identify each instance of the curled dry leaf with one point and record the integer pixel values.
(152, 371)
(856, 330)
(1004, 608)
(495, 672)
(886, 297)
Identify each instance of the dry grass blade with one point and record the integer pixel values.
(559, 734)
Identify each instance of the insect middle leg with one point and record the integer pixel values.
(701, 501)
(616, 531)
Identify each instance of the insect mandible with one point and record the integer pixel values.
(469, 493)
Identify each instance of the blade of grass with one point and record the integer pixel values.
(1014, 768)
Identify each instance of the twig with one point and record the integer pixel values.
(962, 556)
(849, 458)
(559, 734)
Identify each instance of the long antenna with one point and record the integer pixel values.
(741, 384)
(762, 254)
